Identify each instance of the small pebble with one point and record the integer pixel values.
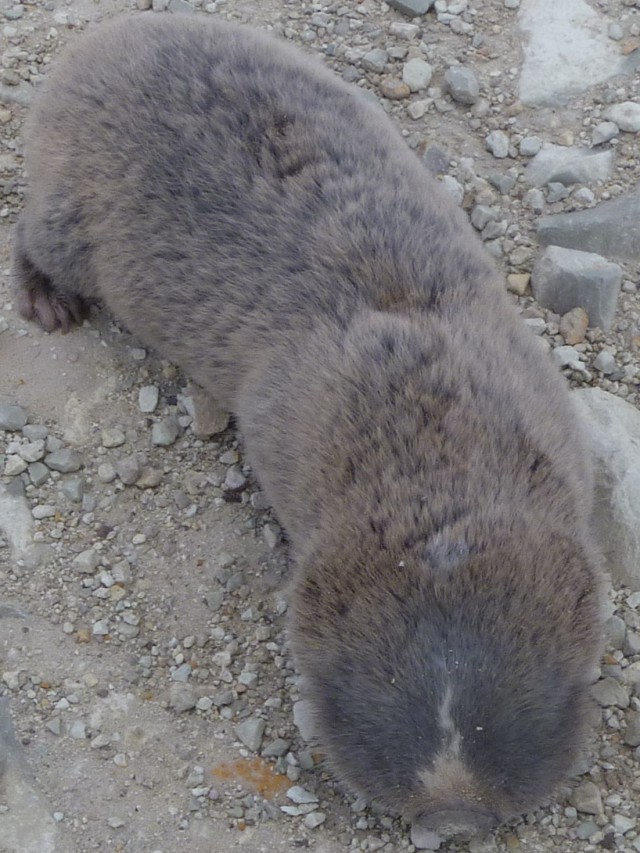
(165, 432)
(417, 74)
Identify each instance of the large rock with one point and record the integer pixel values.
(612, 429)
(610, 229)
(563, 279)
(26, 826)
(566, 50)
(568, 165)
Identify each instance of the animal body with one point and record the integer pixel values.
(262, 225)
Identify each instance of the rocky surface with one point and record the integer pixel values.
(143, 656)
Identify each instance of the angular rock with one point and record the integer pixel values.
(610, 229)
(612, 431)
(65, 460)
(413, 8)
(209, 418)
(250, 732)
(626, 116)
(563, 279)
(12, 417)
(417, 74)
(148, 397)
(568, 165)
(586, 798)
(632, 732)
(603, 132)
(375, 60)
(462, 84)
(165, 432)
(574, 325)
(609, 693)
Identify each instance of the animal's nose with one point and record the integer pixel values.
(458, 821)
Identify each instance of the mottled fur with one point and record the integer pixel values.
(263, 226)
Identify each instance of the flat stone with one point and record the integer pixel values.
(566, 51)
(530, 146)
(65, 461)
(182, 697)
(148, 397)
(375, 60)
(462, 84)
(568, 165)
(626, 116)
(404, 30)
(14, 465)
(303, 719)
(417, 74)
(412, 8)
(250, 732)
(612, 431)
(563, 279)
(314, 819)
(609, 693)
(12, 417)
(586, 798)
(73, 489)
(632, 732)
(610, 228)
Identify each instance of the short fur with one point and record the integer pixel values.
(263, 226)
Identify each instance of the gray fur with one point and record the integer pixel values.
(261, 225)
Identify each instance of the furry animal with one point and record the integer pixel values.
(263, 226)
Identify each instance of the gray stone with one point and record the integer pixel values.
(568, 165)
(453, 187)
(424, 839)
(530, 146)
(276, 748)
(610, 229)
(250, 732)
(300, 796)
(375, 60)
(504, 183)
(631, 646)
(14, 465)
(603, 132)
(412, 8)
(38, 473)
(303, 719)
(417, 74)
(612, 432)
(563, 279)
(616, 630)
(462, 84)
(534, 199)
(12, 417)
(128, 469)
(86, 562)
(165, 432)
(26, 824)
(632, 732)
(404, 30)
(73, 489)
(65, 460)
(148, 397)
(35, 432)
(181, 7)
(498, 144)
(33, 451)
(209, 418)
(605, 362)
(314, 820)
(482, 215)
(112, 437)
(235, 480)
(610, 693)
(586, 798)
(556, 192)
(625, 115)
(182, 697)
(615, 32)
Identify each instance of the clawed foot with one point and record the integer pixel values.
(38, 301)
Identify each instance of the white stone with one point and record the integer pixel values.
(417, 74)
(566, 50)
(625, 115)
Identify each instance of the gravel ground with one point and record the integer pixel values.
(143, 655)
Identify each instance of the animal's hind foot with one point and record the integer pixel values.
(38, 300)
